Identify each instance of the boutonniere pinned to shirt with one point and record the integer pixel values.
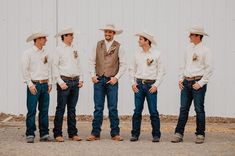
(75, 54)
(149, 61)
(45, 60)
(111, 50)
(195, 57)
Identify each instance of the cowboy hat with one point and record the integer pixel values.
(112, 28)
(36, 35)
(198, 30)
(148, 36)
(65, 31)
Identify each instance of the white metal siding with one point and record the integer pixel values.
(167, 19)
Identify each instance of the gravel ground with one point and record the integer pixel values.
(220, 141)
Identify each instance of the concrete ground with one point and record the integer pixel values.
(220, 141)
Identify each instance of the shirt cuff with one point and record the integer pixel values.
(60, 81)
(29, 83)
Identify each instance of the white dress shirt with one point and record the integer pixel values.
(200, 66)
(139, 69)
(121, 55)
(36, 65)
(66, 63)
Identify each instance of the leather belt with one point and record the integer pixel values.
(146, 81)
(69, 78)
(193, 78)
(40, 81)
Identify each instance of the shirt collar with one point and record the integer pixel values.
(107, 43)
(197, 45)
(65, 45)
(37, 49)
(148, 52)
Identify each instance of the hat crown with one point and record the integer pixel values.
(198, 28)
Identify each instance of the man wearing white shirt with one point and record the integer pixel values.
(67, 72)
(195, 73)
(36, 69)
(107, 65)
(147, 72)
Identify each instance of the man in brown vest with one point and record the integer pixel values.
(107, 66)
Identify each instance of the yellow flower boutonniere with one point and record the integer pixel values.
(75, 54)
(195, 57)
(149, 61)
(45, 60)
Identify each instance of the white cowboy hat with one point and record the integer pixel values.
(65, 31)
(36, 35)
(198, 30)
(148, 36)
(112, 28)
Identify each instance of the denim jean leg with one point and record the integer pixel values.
(112, 98)
(43, 110)
(154, 115)
(199, 96)
(99, 98)
(71, 110)
(31, 114)
(185, 103)
(62, 98)
(137, 116)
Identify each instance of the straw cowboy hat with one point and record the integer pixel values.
(112, 28)
(198, 30)
(67, 30)
(36, 35)
(148, 36)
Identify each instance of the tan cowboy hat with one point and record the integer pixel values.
(148, 36)
(67, 30)
(198, 30)
(112, 28)
(36, 35)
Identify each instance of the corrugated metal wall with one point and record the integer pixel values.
(167, 19)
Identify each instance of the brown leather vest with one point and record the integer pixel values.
(107, 63)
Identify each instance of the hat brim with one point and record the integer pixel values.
(117, 32)
(35, 36)
(145, 36)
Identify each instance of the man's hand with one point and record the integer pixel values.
(49, 88)
(33, 89)
(196, 86)
(63, 86)
(181, 86)
(112, 81)
(134, 88)
(94, 79)
(80, 84)
(153, 89)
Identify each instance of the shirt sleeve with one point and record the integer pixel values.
(92, 62)
(80, 67)
(122, 63)
(161, 71)
(25, 62)
(55, 67)
(182, 66)
(132, 70)
(208, 69)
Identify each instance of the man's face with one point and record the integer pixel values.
(142, 41)
(109, 35)
(194, 38)
(68, 38)
(42, 40)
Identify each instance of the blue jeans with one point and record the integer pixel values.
(187, 95)
(152, 107)
(67, 97)
(42, 99)
(101, 89)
